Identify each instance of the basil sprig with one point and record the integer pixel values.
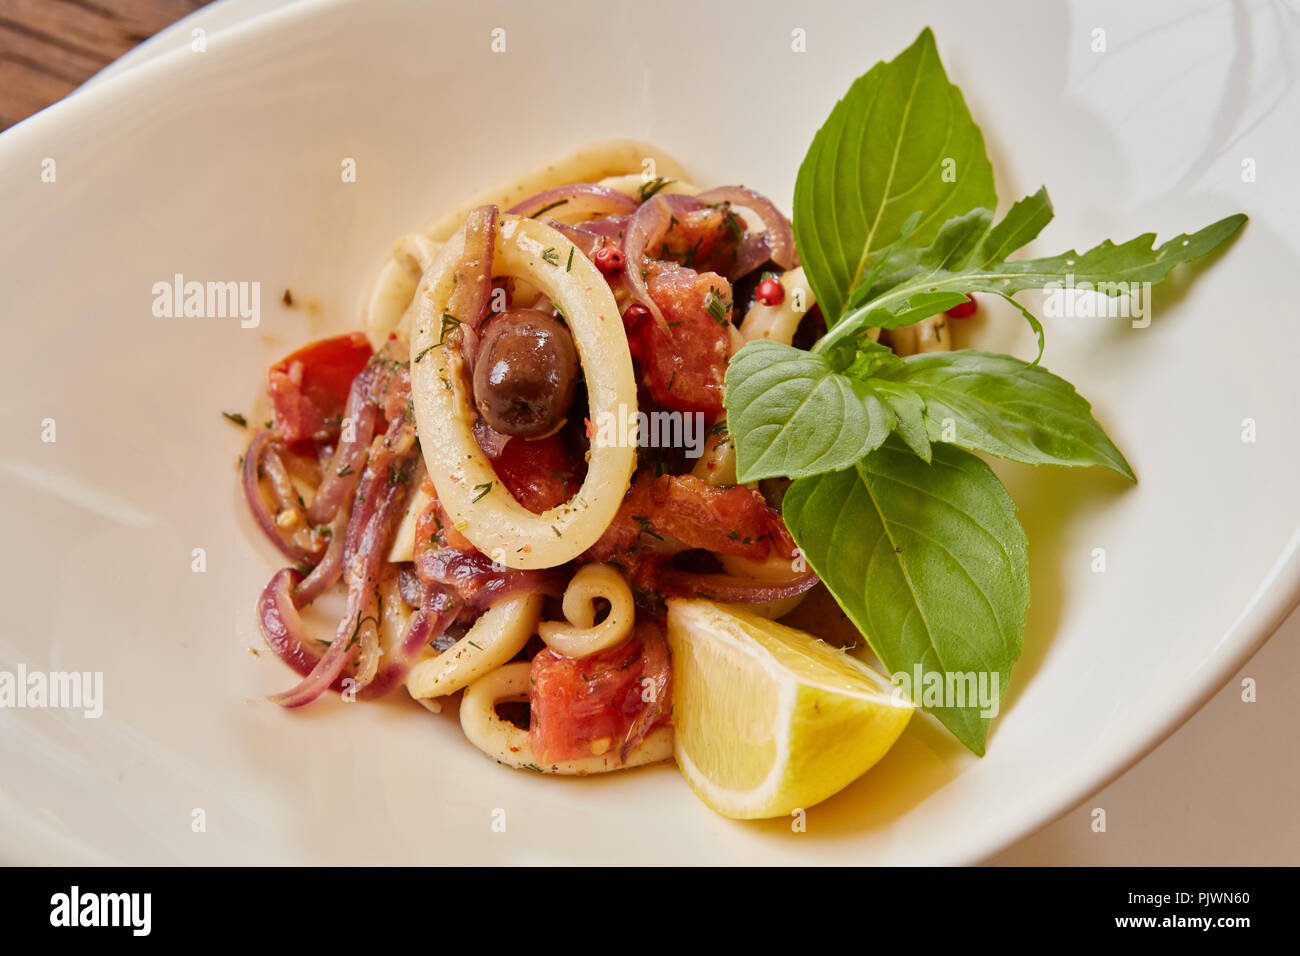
(912, 533)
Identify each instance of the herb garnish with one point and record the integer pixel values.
(548, 208)
(717, 307)
(644, 522)
(648, 189)
(449, 324)
(882, 445)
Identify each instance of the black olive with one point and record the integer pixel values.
(524, 374)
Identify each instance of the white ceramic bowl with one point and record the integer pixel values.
(225, 165)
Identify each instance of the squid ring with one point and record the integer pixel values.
(476, 499)
(509, 745)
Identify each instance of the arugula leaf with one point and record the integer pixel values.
(897, 157)
(928, 561)
(964, 258)
(1004, 407)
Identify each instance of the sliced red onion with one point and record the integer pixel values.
(435, 614)
(283, 629)
(646, 228)
(330, 568)
(585, 200)
(344, 470)
(473, 292)
(409, 585)
(658, 674)
(478, 581)
(253, 455)
(375, 514)
(729, 589)
(327, 673)
(753, 251)
(776, 226)
(590, 236)
(489, 439)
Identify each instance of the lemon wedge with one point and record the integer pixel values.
(769, 719)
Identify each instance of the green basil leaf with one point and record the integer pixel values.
(790, 413)
(898, 156)
(909, 415)
(1002, 406)
(928, 561)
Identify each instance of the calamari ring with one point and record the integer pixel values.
(495, 638)
(478, 502)
(509, 745)
(580, 635)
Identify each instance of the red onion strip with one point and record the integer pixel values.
(253, 456)
(590, 236)
(374, 518)
(776, 226)
(489, 439)
(584, 199)
(282, 628)
(658, 673)
(477, 581)
(345, 468)
(330, 568)
(473, 290)
(645, 229)
(729, 589)
(752, 252)
(434, 616)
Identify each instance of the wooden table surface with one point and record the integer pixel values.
(50, 47)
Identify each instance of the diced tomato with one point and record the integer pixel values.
(433, 528)
(309, 388)
(539, 473)
(703, 239)
(686, 365)
(735, 520)
(585, 707)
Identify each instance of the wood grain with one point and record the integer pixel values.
(50, 47)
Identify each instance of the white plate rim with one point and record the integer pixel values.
(1273, 600)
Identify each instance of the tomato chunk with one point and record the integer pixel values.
(703, 239)
(690, 511)
(590, 706)
(309, 388)
(538, 472)
(686, 365)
